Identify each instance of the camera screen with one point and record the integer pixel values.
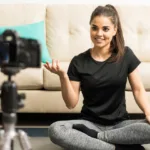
(4, 53)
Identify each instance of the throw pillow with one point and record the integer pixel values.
(34, 31)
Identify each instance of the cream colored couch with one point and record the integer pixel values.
(67, 34)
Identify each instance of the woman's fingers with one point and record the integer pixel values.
(57, 65)
(45, 65)
(54, 67)
(53, 63)
(48, 66)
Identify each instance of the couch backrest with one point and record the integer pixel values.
(68, 29)
(21, 14)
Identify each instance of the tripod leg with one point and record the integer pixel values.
(1, 138)
(7, 140)
(12, 145)
(24, 141)
(1, 134)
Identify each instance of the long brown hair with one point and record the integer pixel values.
(117, 43)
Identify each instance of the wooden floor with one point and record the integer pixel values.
(38, 143)
(43, 143)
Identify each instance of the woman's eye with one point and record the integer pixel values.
(94, 28)
(105, 29)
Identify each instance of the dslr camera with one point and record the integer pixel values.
(18, 52)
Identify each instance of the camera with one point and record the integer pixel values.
(19, 52)
(16, 53)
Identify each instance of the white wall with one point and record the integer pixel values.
(137, 2)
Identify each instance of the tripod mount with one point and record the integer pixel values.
(11, 101)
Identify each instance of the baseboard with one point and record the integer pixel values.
(45, 119)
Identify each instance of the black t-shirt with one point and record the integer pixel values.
(103, 86)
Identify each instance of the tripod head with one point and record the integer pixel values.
(11, 101)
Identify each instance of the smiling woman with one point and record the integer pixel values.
(102, 31)
(101, 73)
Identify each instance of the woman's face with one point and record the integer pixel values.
(102, 31)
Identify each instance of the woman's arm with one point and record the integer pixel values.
(70, 89)
(139, 92)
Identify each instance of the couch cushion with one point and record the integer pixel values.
(43, 101)
(131, 104)
(144, 72)
(50, 80)
(29, 78)
(52, 102)
(136, 31)
(69, 35)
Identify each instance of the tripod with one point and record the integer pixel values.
(11, 101)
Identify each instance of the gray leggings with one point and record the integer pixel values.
(125, 132)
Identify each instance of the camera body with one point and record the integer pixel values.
(19, 52)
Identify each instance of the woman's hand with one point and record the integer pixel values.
(148, 118)
(54, 67)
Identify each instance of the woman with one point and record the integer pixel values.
(101, 72)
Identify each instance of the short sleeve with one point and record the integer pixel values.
(72, 70)
(133, 61)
